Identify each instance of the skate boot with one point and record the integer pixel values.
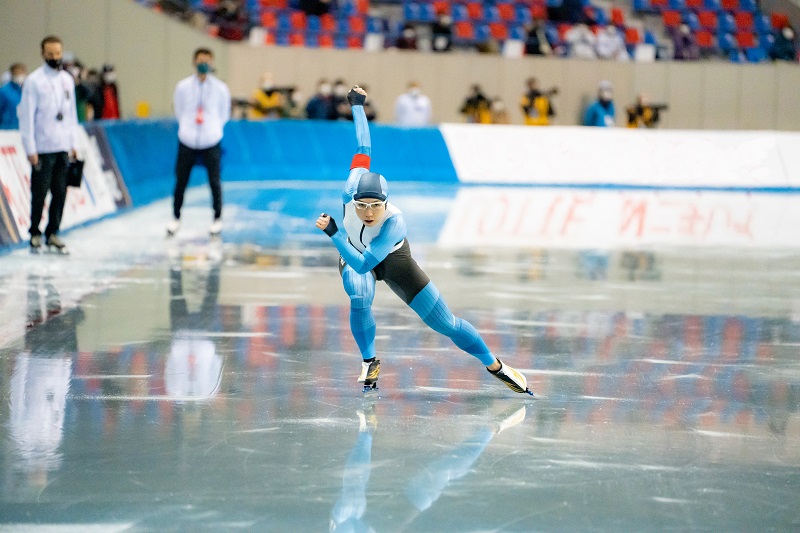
(173, 226)
(216, 228)
(369, 373)
(36, 244)
(367, 421)
(513, 379)
(55, 244)
(510, 418)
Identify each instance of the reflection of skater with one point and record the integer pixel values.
(424, 488)
(41, 378)
(193, 369)
(373, 246)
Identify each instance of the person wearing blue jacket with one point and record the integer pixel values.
(601, 113)
(373, 247)
(10, 96)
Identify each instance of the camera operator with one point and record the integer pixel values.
(644, 114)
(537, 108)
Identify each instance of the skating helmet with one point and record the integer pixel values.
(371, 185)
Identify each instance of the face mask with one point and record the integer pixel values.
(324, 89)
(788, 34)
(203, 68)
(18, 79)
(54, 63)
(340, 90)
(415, 91)
(408, 34)
(266, 86)
(110, 78)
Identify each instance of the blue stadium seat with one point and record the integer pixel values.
(748, 5)
(411, 11)
(727, 43)
(523, 14)
(756, 54)
(482, 32)
(518, 32)
(492, 14)
(459, 13)
(375, 25)
(691, 20)
(427, 13)
(726, 22)
(313, 24)
(762, 23)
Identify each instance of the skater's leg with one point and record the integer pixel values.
(361, 290)
(432, 309)
(211, 159)
(183, 169)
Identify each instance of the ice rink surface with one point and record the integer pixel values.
(210, 385)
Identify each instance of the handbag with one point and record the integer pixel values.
(75, 173)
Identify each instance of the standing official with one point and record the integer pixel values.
(47, 121)
(202, 106)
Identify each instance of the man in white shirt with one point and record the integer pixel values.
(47, 121)
(412, 108)
(202, 105)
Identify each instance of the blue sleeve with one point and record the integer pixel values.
(361, 160)
(588, 119)
(392, 232)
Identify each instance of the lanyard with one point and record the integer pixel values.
(59, 102)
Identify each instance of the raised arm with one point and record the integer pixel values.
(392, 232)
(361, 160)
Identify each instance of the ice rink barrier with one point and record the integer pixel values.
(145, 152)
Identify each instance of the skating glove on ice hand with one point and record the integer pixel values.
(355, 98)
(331, 229)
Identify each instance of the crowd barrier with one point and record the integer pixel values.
(131, 163)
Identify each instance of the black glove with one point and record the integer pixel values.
(355, 98)
(331, 229)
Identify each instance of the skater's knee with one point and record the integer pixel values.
(358, 301)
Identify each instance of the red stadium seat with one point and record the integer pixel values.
(269, 38)
(297, 39)
(672, 19)
(539, 12)
(744, 21)
(362, 6)
(632, 36)
(475, 10)
(617, 16)
(464, 30)
(298, 20)
(746, 40)
(357, 25)
(779, 20)
(659, 5)
(499, 31)
(707, 20)
(327, 22)
(704, 39)
(269, 20)
(354, 42)
(441, 7)
(694, 5)
(506, 11)
(325, 41)
(730, 5)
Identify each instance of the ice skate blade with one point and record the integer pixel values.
(57, 251)
(370, 388)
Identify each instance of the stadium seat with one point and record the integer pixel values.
(744, 21)
(312, 39)
(691, 20)
(475, 10)
(506, 11)
(296, 39)
(538, 12)
(726, 22)
(427, 13)
(659, 5)
(617, 17)
(282, 39)
(325, 41)
(671, 19)
(712, 5)
(357, 25)
(411, 11)
(779, 20)
(553, 3)
(355, 42)
(464, 30)
(298, 20)
(328, 22)
(726, 42)
(269, 20)
(284, 23)
(313, 24)
(708, 20)
(482, 32)
(705, 40)
(756, 54)
(519, 33)
(678, 5)
(442, 7)
(632, 36)
(650, 37)
(460, 13)
(762, 24)
(375, 25)
(642, 6)
(362, 7)
(694, 5)
(491, 14)
(748, 5)
(746, 40)
(498, 30)
(730, 5)
(597, 14)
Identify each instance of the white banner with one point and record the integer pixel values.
(567, 218)
(93, 199)
(621, 156)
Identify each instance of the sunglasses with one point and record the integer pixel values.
(363, 206)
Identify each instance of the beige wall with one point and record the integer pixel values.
(153, 52)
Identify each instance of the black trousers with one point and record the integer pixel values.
(50, 174)
(187, 158)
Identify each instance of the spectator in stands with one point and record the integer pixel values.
(644, 114)
(611, 45)
(412, 108)
(266, 102)
(293, 104)
(536, 105)
(477, 107)
(499, 112)
(601, 113)
(442, 33)
(320, 106)
(90, 89)
(48, 120)
(110, 93)
(231, 19)
(536, 42)
(684, 44)
(369, 108)
(581, 42)
(317, 7)
(570, 11)
(408, 38)
(784, 48)
(10, 96)
(202, 104)
(340, 104)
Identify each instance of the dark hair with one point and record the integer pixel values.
(50, 39)
(203, 51)
(17, 67)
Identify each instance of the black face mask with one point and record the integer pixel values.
(54, 63)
